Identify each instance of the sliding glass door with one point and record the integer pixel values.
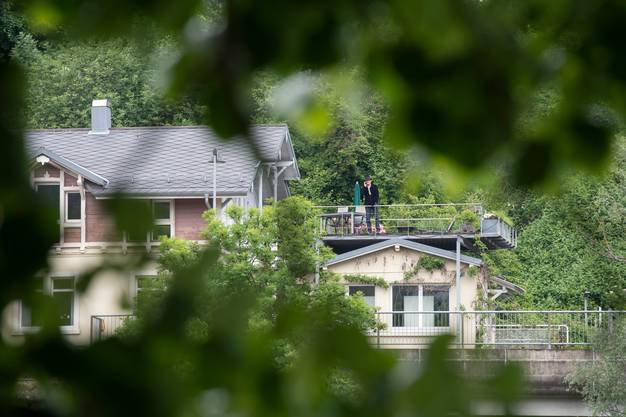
(413, 303)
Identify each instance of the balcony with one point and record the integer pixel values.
(343, 228)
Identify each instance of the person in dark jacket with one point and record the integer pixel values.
(369, 195)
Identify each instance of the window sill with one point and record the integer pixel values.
(22, 331)
(400, 331)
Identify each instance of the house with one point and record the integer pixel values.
(179, 171)
(408, 282)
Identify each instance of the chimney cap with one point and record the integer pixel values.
(100, 103)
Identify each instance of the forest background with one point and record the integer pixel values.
(572, 232)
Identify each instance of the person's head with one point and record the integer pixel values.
(367, 181)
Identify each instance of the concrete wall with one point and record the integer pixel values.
(544, 369)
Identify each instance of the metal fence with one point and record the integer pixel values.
(412, 219)
(471, 329)
(532, 329)
(104, 326)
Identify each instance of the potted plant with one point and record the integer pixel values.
(470, 222)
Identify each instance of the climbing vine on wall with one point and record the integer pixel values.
(426, 262)
(365, 279)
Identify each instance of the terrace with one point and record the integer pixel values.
(343, 228)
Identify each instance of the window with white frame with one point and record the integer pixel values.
(61, 288)
(72, 207)
(161, 212)
(367, 292)
(145, 283)
(420, 302)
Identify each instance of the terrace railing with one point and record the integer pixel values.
(529, 329)
(416, 219)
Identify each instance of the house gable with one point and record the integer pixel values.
(44, 156)
(402, 243)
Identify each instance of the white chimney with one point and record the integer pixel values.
(100, 117)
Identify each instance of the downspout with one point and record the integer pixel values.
(458, 290)
(317, 262)
(275, 169)
(83, 221)
(206, 200)
(261, 189)
(458, 273)
(215, 180)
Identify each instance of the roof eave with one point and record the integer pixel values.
(170, 194)
(293, 153)
(70, 166)
(419, 247)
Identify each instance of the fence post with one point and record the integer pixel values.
(549, 332)
(378, 323)
(462, 330)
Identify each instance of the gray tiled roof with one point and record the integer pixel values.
(405, 243)
(162, 160)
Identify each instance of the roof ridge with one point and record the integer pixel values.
(75, 129)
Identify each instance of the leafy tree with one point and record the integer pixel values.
(603, 381)
(13, 28)
(63, 80)
(267, 259)
(347, 148)
(456, 77)
(284, 322)
(446, 70)
(570, 243)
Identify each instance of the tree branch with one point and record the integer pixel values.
(609, 249)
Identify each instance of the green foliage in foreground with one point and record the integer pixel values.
(603, 381)
(266, 263)
(258, 333)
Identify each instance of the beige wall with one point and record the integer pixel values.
(391, 264)
(107, 294)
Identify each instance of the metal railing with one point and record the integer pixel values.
(413, 219)
(531, 329)
(471, 329)
(104, 326)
